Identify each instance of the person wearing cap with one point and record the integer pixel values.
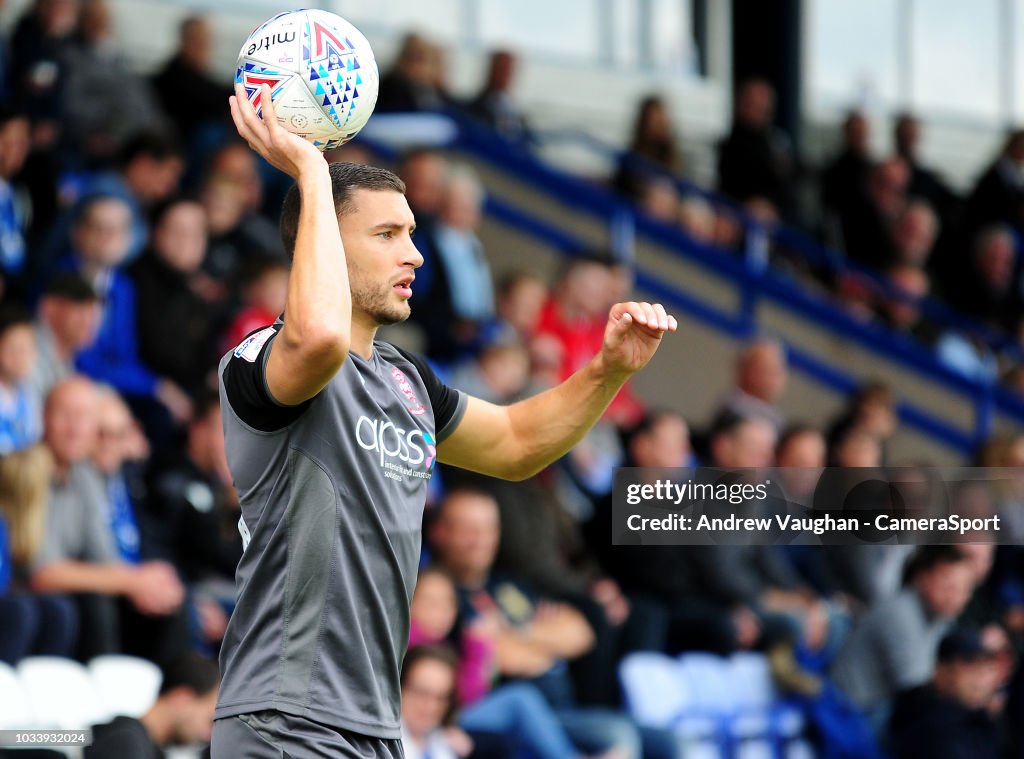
(949, 718)
(67, 319)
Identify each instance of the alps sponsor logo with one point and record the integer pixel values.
(415, 407)
(400, 453)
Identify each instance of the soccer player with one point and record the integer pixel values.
(331, 438)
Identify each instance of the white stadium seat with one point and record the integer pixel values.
(126, 685)
(60, 693)
(15, 710)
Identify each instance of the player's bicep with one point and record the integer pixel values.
(295, 372)
(483, 441)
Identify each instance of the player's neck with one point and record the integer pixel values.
(361, 338)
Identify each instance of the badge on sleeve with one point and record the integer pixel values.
(250, 347)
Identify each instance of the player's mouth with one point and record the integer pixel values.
(404, 287)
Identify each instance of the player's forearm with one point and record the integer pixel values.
(318, 309)
(83, 577)
(546, 426)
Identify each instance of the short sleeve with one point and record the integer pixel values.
(448, 404)
(245, 384)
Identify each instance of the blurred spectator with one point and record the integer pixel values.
(14, 147)
(149, 167)
(79, 555)
(535, 636)
(998, 194)
(20, 413)
(68, 318)
(193, 516)
(104, 99)
(846, 174)
(761, 378)
(894, 646)
(756, 159)
(181, 715)
(575, 317)
(30, 623)
(500, 374)
(494, 104)
(659, 199)
(425, 173)
(178, 307)
(520, 298)
(263, 291)
(872, 410)
(986, 287)
(949, 718)
(428, 702)
(914, 234)
(412, 82)
(189, 95)
(652, 152)
(99, 247)
(39, 48)
(232, 195)
(111, 458)
(925, 183)
(903, 314)
(461, 300)
(698, 219)
(867, 223)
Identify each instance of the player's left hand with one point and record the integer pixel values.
(633, 334)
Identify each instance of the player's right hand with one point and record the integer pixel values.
(282, 149)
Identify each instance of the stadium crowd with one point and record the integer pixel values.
(138, 244)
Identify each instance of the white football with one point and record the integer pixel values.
(321, 73)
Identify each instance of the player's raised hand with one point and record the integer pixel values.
(284, 150)
(633, 334)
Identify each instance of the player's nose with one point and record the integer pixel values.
(412, 256)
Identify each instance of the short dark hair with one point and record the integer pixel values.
(71, 286)
(152, 144)
(927, 557)
(13, 315)
(345, 177)
(198, 673)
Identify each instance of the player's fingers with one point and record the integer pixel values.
(269, 112)
(651, 315)
(673, 325)
(636, 311)
(659, 311)
(246, 121)
(257, 127)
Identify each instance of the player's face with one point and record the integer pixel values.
(377, 234)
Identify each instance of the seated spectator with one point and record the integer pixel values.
(189, 95)
(652, 152)
(264, 287)
(761, 377)
(867, 223)
(756, 159)
(31, 624)
(111, 458)
(914, 234)
(894, 645)
(500, 374)
(20, 413)
(987, 288)
(192, 517)
(697, 218)
(68, 319)
(515, 712)
(147, 171)
(848, 171)
(925, 183)
(14, 147)
(997, 196)
(105, 100)
(79, 555)
(100, 241)
(519, 300)
(494, 104)
(178, 307)
(182, 714)
(428, 700)
(660, 200)
(535, 637)
(903, 314)
(411, 84)
(463, 292)
(575, 317)
(872, 409)
(950, 717)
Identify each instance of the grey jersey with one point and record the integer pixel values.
(332, 494)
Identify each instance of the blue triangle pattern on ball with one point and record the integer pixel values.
(327, 101)
(313, 76)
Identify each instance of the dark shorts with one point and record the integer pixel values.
(274, 735)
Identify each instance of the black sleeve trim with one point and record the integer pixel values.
(448, 403)
(246, 387)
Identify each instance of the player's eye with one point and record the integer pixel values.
(386, 235)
